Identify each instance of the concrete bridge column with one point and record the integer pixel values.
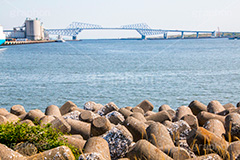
(182, 35)
(214, 34)
(197, 36)
(233, 34)
(74, 37)
(222, 35)
(165, 36)
(143, 37)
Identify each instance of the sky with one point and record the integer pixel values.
(158, 14)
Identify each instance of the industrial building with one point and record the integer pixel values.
(32, 29)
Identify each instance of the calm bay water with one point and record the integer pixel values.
(173, 72)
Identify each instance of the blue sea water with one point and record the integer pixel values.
(172, 72)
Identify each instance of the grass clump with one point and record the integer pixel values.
(43, 138)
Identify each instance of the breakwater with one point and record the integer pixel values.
(108, 132)
(26, 42)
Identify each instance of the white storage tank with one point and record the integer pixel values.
(33, 29)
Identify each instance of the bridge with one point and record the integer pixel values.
(142, 28)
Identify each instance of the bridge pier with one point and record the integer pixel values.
(182, 35)
(143, 37)
(165, 36)
(197, 35)
(74, 37)
(214, 34)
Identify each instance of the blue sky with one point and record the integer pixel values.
(172, 14)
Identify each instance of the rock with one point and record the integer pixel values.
(179, 130)
(61, 125)
(53, 110)
(67, 107)
(72, 115)
(46, 120)
(8, 154)
(146, 106)
(164, 107)
(137, 109)
(144, 150)
(76, 142)
(204, 142)
(234, 150)
(229, 106)
(182, 111)
(3, 119)
(125, 112)
(107, 109)
(159, 117)
(27, 121)
(115, 117)
(197, 107)
(92, 106)
(99, 145)
(26, 148)
(215, 107)
(138, 116)
(35, 115)
(212, 156)
(62, 152)
(100, 126)
(119, 139)
(91, 156)
(79, 127)
(12, 118)
(204, 116)
(215, 126)
(17, 110)
(22, 116)
(191, 120)
(136, 128)
(232, 126)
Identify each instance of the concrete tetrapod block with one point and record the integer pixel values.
(17, 110)
(232, 126)
(137, 128)
(203, 142)
(99, 126)
(67, 107)
(34, 115)
(27, 121)
(164, 107)
(171, 113)
(92, 106)
(107, 109)
(53, 110)
(8, 154)
(79, 127)
(229, 106)
(72, 115)
(146, 106)
(91, 156)
(212, 156)
(76, 142)
(144, 150)
(149, 113)
(115, 117)
(159, 117)
(12, 118)
(138, 116)
(125, 112)
(215, 107)
(137, 109)
(197, 107)
(60, 124)
(62, 152)
(3, 112)
(86, 116)
(119, 140)
(99, 145)
(182, 111)
(215, 126)
(204, 116)
(234, 150)
(45, 120)
(191, 120)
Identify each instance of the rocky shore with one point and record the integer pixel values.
(105, 132)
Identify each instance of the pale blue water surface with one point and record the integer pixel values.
(172, 72)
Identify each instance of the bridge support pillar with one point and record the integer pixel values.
(197, 35)
(143, 37)
(182, 35)
(74, 37)
(165, 36)
(233, 34)
(214, 34)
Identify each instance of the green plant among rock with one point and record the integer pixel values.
(43, 138)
